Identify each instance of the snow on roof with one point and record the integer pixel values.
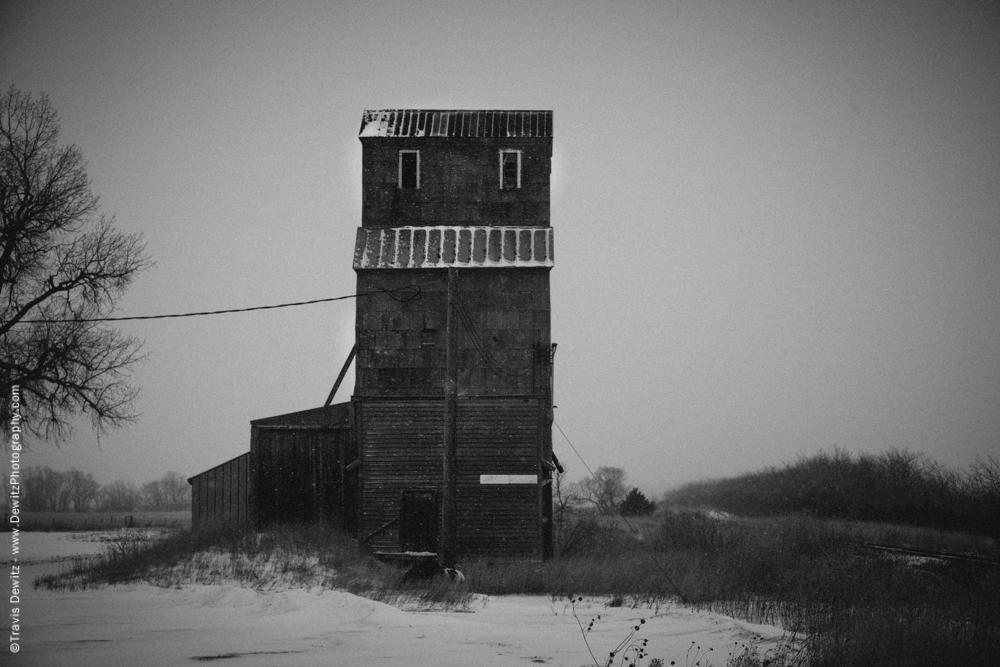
(447, 246)
(455, 123)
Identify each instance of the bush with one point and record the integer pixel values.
(896, 486)
(636, 504)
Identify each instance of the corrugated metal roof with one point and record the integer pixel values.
(442, 247)
(455, 123)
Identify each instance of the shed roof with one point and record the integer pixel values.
(455, 123)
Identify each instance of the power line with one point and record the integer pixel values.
(574, 449)
(635, 532)
(408, 292)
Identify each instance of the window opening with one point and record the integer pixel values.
(510, 170)
(409, 170)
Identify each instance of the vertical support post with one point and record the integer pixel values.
(448, 505)
(355, 410)
(548, 546)
(341, 486)
(253, 475)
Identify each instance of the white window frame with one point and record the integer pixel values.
(399, 176)
(517, 186)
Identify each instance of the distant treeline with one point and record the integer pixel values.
(46, 490)
(896, 486)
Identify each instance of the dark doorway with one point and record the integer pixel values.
(418, 521)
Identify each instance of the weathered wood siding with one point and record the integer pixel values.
(299, 474)
(499, 437)
(401, 442)
(459, 182)
(298, 462)
(504, 324)
(400, 342)
(401, 445)
(221, 493)
(298, 469)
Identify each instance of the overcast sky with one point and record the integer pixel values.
(777, 224)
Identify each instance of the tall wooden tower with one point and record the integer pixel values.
(453, 394)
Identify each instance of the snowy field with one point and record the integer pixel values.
(149, 626)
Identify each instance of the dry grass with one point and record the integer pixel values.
(294, 556)
(911, 537)
(851, 606)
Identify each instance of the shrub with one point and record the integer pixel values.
(636, 504)
(895, 486)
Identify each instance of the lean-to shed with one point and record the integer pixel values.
(298, 469)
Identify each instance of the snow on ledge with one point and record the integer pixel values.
(451, 246)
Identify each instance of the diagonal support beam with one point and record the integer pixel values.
(340, 378)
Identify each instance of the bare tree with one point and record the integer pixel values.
(985, 476)
(176, 490)
(42, 487)
(564, 504)
(152, 495)
(983, 485)
(62, 266)
(64, 493)
(605, 489)
(83, 489)
(119, 496)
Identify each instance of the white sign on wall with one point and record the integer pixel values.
(508, 479)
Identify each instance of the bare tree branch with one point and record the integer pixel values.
(60, 260)
(605, 489)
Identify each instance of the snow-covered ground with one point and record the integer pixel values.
(149, 626)
(48, 547)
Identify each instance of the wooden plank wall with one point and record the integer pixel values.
(504, 324)
(498, 437)
(299, 473)
(402, 451)
(459, 182)
(297, 461)
(400, 342)
(504, 338)
(221, 493)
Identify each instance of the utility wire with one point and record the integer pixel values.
(635, 532)
(495, 366)
(574, 449)
(409, 293)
